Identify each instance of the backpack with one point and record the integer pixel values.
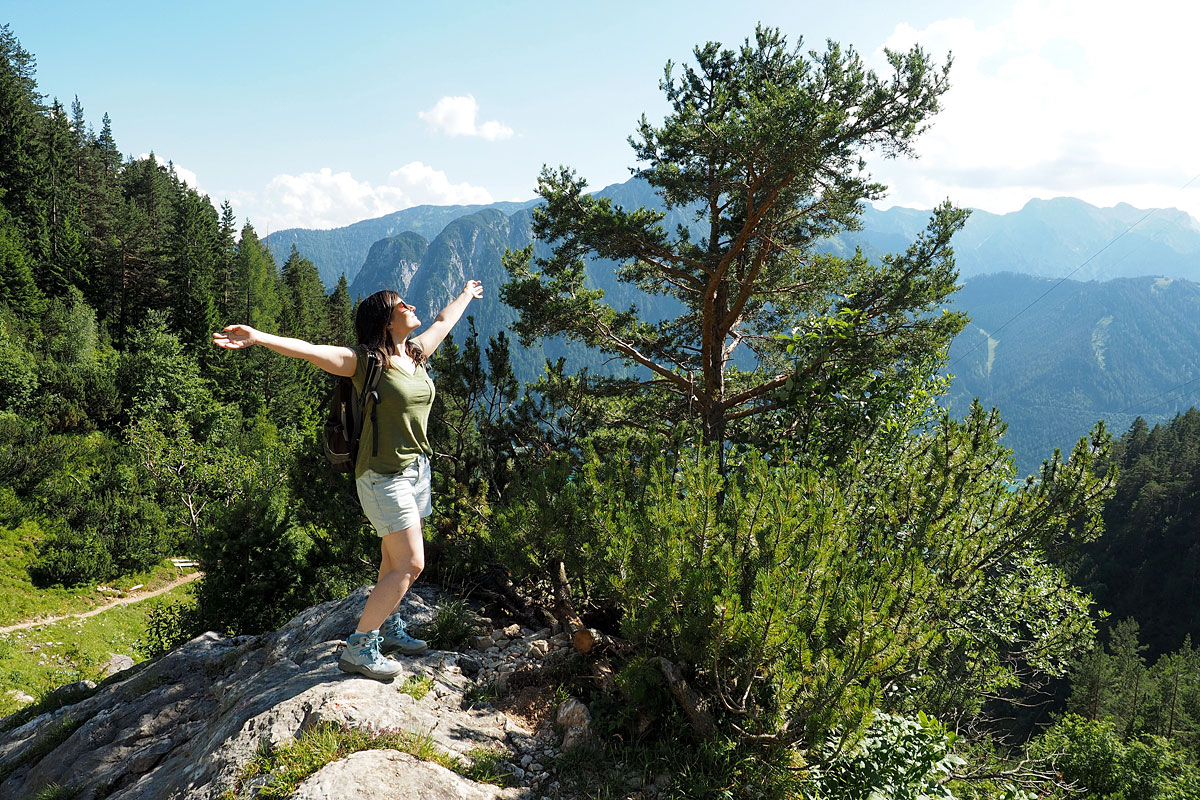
(344, 419)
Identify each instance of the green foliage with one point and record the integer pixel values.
(71, 558)
(1115, 684)
(168, 625)
(1098, 765)
(452, 624)
(898, 758)
(416, 686)
(261, 568)
(18, 369)
(155, 377)
(54, 791)
(1143, 567)
(939, 590)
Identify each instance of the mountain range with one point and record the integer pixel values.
(1053, 353)
(1053, 238)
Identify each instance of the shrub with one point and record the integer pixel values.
(1093, 759)
(168, 625)
(71, 558)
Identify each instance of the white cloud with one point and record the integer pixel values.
(328, 199)
(1058, 99)
(455, 116)
(425, 184)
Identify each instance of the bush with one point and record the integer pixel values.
(168, 625)
(261, 568)
(1094, 761)
(71, 558)
(792, 594)
(899, 758)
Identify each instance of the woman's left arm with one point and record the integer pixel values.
(449, 316)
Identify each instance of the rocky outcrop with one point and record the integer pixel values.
(183, 727)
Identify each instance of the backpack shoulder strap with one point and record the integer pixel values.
(370, 386)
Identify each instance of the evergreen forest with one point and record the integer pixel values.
(818, 582)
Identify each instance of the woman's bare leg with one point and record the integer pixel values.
(403, 558)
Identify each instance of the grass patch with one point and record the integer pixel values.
(44, 704)
(452, 624)
(480, 694)
(20, 600)
(487, 766)
(54, 791)
(51, 739)
(37, 660)
(290, 765)
(416, 686)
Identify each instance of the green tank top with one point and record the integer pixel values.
(402, 414)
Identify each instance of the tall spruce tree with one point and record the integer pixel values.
(341, 319)
(192, 276)
(763, 144)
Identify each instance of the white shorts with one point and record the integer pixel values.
(395, 502)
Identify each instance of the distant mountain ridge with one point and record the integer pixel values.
(1047, 238)
(344, 249)
(1053, 239)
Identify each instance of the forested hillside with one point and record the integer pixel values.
(1086, 351)
(1146, 567)
(801, 574)
(124, 435)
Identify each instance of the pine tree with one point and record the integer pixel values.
(763, 146)
(341, 319)
(192, 276)
(66, 248)
(22, 160)
(226, 276)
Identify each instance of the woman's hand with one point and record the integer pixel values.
(236, 337)
(474, 289)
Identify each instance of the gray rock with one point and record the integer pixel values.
(183, 726)
(480, 642)
(116, 663)
(373, 774)
(576, 723)
(469, 666)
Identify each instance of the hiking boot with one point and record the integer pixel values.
(362, 655)
(396, 638)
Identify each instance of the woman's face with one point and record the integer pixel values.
(404, 321)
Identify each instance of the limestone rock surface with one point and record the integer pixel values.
(183, 727)
(375, 774)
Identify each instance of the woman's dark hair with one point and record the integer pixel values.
(371, 319)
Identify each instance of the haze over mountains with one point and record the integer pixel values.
(1115, 341)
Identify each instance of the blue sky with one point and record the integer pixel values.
(318, 115)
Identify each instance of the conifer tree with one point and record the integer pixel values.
(66, 256)
(22, 160)
(193, 267)
(226, 277)
(341, 319)
(763, 144)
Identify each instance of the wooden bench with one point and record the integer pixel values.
(185, 563)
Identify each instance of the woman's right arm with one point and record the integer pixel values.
(334, 360)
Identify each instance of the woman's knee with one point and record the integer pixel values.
(416, 565)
